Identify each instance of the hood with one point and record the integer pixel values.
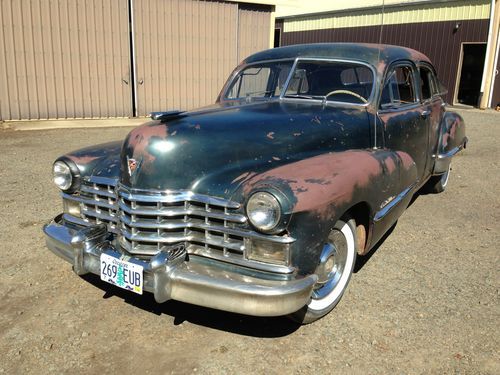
(211, 150)
(101, 160)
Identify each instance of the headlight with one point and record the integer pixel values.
(63, 177)
(264, 211)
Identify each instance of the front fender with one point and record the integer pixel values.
(451, 140)
(323, 188)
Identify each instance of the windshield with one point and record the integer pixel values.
(334, 81)
(260, 81)
(346, 82)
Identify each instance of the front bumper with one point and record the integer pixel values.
(197, 280)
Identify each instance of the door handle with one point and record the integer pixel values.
(425, 114)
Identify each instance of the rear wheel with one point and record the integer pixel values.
(334, 272)
(437, 184)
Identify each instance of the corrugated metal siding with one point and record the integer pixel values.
(437, 12)
(253, 30)
(437, 40)
(64, 59)
(71, 58)
(185, 50)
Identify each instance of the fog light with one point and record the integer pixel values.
(266, 251)
(71, 207)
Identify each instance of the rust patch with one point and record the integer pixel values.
(140, 140)
(316, 120)
(84, 159)
(406, 160)
(310, 179)
(243, 177)
(390, 165)
(361, 238)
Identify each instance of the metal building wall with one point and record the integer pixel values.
(64, 59)
(435, 35)
(72, 58)
(253, 30)
(400, 15)
(185, 49)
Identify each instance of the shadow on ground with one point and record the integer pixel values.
(264, 327)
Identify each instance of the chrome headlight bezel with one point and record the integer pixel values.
(264, 211)
(66, 175)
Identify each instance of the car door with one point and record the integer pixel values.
(432, 103)
(404, 119)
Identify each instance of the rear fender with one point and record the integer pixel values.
(451, 140)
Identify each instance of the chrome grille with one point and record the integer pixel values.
(98, 202)
(146, 221)
(150, 222)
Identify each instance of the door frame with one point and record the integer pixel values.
(459, 72)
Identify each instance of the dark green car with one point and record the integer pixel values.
(260, 203)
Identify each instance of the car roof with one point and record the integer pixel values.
(378, 55)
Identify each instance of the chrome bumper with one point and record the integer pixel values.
(196, 281)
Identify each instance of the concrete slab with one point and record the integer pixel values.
(72, 124)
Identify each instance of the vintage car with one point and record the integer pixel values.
(260, 203)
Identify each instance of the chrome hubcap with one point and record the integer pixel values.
(332, 264)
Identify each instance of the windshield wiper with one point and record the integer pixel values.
(302, 96)
(249, 95)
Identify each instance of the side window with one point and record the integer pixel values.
(427, 83)
(399, 88)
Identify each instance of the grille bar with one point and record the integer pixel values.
(235, 245)
(174, 197)
(181, 211)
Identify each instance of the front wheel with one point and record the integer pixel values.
(334, 272)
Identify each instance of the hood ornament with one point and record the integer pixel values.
(133, 165)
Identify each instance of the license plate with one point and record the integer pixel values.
(121, 273)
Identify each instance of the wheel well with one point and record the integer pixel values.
(361, 215)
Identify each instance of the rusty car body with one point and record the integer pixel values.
(260, 203)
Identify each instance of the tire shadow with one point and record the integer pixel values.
(245, 325)
(263, 327)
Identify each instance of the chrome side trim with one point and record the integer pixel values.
(450, 153)
(442, 161)
(389, 206)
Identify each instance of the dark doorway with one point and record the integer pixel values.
(471, 73)
(277, 37)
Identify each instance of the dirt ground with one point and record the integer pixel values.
(426, 301)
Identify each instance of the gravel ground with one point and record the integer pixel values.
(426, 301)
